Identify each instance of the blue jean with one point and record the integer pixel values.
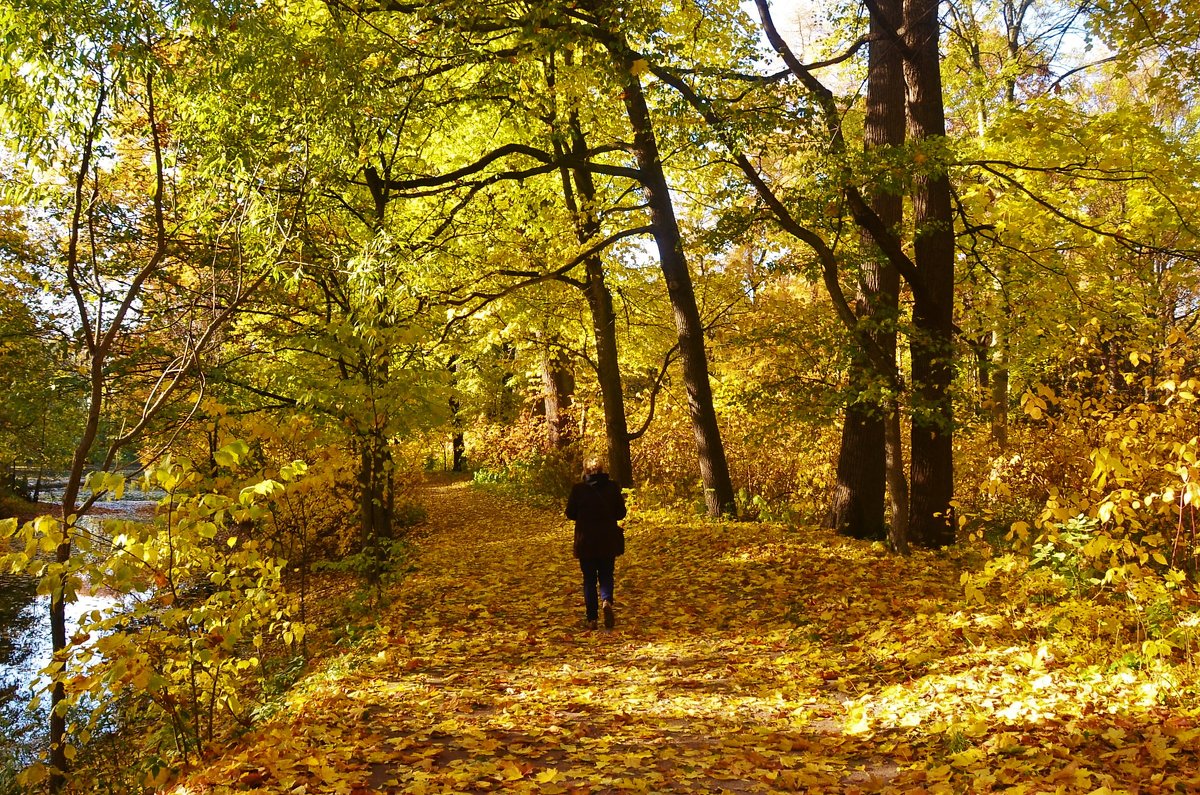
(596, 571)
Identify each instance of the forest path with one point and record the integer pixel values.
(685, 694)
(747, 658)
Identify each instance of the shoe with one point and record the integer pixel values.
(609, 619)
(589, 624)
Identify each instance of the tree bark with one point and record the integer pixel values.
(714, 469)
(608, 372)
(376, 473)
(376, 500)
(604, 319)
(932, 349)
(458, 444)
(556, 397)
(897, 482)
(863, 460)
(858, 497)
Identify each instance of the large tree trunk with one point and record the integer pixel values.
(932, 346)
(858, 498)
(862, 471)
(608, 372)
(714, 469)
(604, 319)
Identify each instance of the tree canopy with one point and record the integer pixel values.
(923, 274)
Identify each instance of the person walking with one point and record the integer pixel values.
(596, 505)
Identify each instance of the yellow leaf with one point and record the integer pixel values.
(968, 758)
(510, 771)
(857, 720)
(33, 775)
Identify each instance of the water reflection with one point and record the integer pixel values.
(25, 644)
(23, 624)
(17, 622)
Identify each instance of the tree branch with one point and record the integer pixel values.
(654, 390)
(550, 163)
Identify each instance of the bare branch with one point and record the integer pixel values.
(72, 263)
(549, 161)
(654, 390)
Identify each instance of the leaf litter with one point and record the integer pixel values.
(747, 658)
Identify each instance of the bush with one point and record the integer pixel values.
(1117, 465)
(165, 656)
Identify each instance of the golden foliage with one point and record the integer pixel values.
(746, 658)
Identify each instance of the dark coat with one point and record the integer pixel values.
(596, 505)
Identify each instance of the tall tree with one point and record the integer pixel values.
(581, 196)
(649, 175)
(932, 345)
(871, 457)
(143, 286)
(627, 67)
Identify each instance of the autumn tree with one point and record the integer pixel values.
(504, 27)
(871, 457)
(148, 289)
(35, 375)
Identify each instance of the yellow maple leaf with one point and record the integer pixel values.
(510, 770)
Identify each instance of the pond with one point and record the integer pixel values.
(25, 646)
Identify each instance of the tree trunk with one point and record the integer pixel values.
(863, 461)
(932, 348)
(458, 445)
(981, 348)
(858, 498)
(608, 372)
(897, 482)
(604, 319)
(376, 500)
(556, 397)
(59, 761)
(58, 718)
(714, 469)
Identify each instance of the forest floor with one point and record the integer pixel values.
(747, 658)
